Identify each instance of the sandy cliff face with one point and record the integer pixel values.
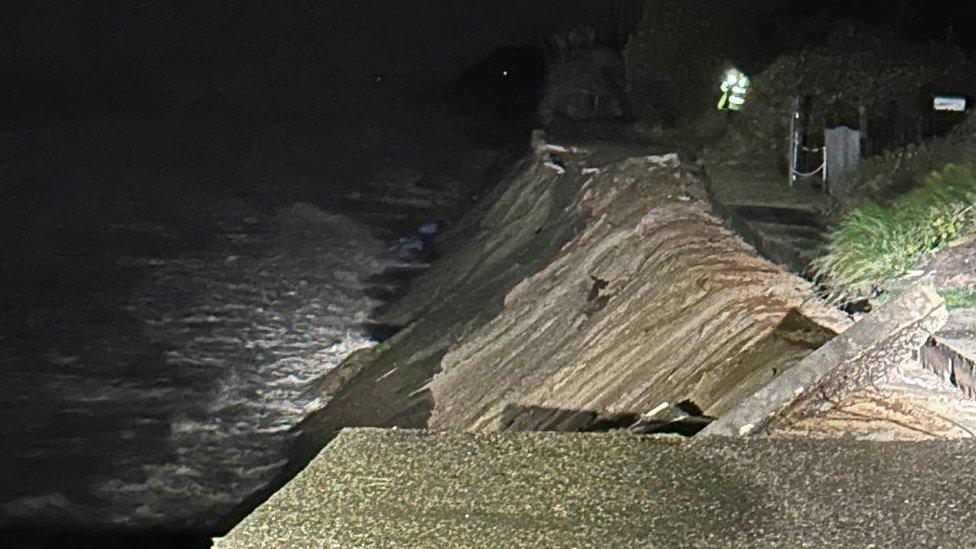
(653, 300)
(591, 285)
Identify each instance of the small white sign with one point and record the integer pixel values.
(952, 103)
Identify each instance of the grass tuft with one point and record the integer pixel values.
(960, 298)
(876, 242)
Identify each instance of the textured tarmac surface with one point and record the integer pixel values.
(377, 488)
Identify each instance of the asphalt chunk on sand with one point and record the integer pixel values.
(396, 488)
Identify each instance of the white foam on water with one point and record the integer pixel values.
(263, 329)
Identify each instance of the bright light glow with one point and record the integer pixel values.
(732, 76)
(951, 103)
(735, 86)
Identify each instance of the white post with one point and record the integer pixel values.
(826, 183)
(794, 148)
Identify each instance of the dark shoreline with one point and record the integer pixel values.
(39, 536)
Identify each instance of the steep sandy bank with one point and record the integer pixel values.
(606, 288)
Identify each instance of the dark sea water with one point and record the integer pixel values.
(171, 291)
(177, 406)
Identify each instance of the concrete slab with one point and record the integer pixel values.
(961, 323)
(376, 488)
(965, 347)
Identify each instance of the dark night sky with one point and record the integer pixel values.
(144, 50)
(76, 51)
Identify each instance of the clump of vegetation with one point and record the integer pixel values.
(960, 298)
(876, 242)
